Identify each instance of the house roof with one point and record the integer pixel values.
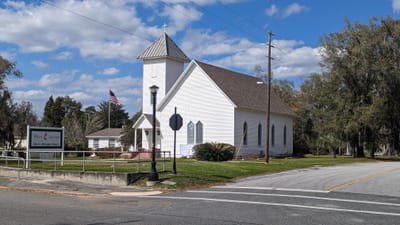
(164, 47)
(244, 90)
(108, 132)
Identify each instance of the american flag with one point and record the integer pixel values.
(113, 98)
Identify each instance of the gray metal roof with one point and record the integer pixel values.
(244, 90)
(164, 47)
(108, 132)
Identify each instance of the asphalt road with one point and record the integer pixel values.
(379, 178)
(351, 194)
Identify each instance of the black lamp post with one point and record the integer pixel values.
(153, 175)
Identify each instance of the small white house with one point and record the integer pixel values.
(109, 137)
(216, 104)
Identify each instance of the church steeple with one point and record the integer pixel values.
(164, 47)
(163, 63)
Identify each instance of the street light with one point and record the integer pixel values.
(153, 175)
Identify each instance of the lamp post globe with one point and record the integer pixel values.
(153, 175)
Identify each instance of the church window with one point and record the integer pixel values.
(199, 133)
(284, 135)
(245, 133)
(273, 135)
(190, 133)
(259, 134)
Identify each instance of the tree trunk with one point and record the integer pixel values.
(360, 145)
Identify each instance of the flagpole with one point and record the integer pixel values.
(109, 120)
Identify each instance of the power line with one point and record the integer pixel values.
(243, 18)
(92, 20)
(227, 22)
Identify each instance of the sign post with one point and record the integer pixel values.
(175, 122)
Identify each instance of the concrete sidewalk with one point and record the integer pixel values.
(65, 187)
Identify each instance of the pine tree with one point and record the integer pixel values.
(48, 118)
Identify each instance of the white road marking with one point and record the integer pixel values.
(275, 204)
(274, 189)
(143, 193)
(299, 196)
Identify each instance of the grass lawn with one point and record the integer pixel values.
(195, 174)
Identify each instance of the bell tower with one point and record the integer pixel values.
(163, 62)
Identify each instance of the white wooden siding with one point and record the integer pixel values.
(160, 72)
(103, 142)
(198, 99)
(280, 121)
(253, 119)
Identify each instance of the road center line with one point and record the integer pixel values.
(298, 196)
(358, 180)
(273, 189)
(274, 204)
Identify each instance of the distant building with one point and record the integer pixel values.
(109, 137)
(216, 104)
(20, 142)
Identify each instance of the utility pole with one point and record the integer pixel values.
(269, 75)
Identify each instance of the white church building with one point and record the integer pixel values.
(216, 104)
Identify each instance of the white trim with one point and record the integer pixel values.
(138, 121)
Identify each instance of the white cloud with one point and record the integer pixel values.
(43, 28)
(50, 80)
(39, 64)
(294, 8)
(181, 16)
(109, 71)
(201, 43)
(63, 56)
(292, 58)
(31, 95)
(271, 11)
(19, 83)
(396, 5)
(14, 4)
(197, 2)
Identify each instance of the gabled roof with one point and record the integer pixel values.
(244, 90)
(164, 47)
(108, 132)
(140, 123)
(149, 117)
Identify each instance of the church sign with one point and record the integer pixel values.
(46, 138)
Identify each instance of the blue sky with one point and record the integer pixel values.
(83, 48)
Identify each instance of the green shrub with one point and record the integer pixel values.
(214, 151)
